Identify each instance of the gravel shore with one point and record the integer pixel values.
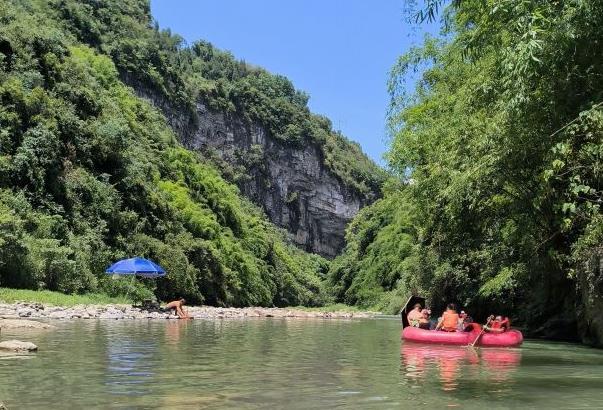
(28, 310)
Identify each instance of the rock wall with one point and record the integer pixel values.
(590, 298)
(297, 191)
(291, 183)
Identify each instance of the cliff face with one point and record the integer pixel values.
(590, 291)
(291, 183)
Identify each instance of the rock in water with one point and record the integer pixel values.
(18, 346)
(23, 324)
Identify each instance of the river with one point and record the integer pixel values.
(292, 364)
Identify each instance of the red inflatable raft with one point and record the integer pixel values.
(510, 338)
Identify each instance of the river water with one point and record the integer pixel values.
(292, 364)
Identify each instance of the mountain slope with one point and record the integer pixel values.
(90, 172)
(256, 126)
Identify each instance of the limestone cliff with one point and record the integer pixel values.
(291, 182)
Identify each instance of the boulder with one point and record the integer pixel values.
(112, 313)
(18, 346)
(57, 314)
(32, 305)
(25, 311)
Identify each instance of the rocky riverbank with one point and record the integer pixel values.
(41, 311)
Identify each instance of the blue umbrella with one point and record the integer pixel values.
(136, 266)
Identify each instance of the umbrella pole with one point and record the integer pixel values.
(131, 286)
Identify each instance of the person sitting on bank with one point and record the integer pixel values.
(176, 307)
(414, 316)
(450, 319)
(498, 324)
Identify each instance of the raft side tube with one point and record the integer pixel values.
(510, 338)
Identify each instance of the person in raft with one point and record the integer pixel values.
(450, 319)
(425, 321)
(414, 316)
(466, 323)
(176, 307)
(498, 324)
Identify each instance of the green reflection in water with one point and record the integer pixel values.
(295, 364)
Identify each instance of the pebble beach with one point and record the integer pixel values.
(27, 310)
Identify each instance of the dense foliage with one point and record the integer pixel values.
(90, 173)
(501, 148)
(183, 75)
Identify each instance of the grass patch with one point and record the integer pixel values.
(48, 297)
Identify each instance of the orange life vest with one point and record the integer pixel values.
(450, 321)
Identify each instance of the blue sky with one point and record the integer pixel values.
(339, 52)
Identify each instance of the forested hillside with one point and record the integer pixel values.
(255, 126)
(501, 147)
(90, 172)
(497, 153)
(185, 74)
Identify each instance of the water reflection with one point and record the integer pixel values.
(130, 366)
(173, 331)
(452, 363)
(500, 363)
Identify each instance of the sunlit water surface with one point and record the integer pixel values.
(293, 364)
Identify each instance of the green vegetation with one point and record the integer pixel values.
(90, 173)
(157, 61)
(48, 297)
(496, 204)
(500, 145)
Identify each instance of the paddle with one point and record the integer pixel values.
(481, 333)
